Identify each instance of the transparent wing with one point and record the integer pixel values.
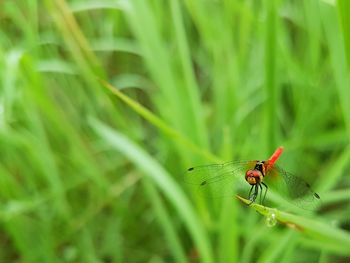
(218, 180)
(293, 188)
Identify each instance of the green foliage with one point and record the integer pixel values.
(105, 104)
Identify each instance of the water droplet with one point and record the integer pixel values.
(271, 218)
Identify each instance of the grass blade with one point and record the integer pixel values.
(164, 182)
(311, 228)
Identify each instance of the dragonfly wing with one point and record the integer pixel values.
(294, 189)
(218, 180)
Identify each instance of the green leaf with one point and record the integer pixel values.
(339, 240)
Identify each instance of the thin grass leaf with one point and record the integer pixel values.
(164, 182)
(270, 77)
(160, 124)
(343, 7)
(338, 56)
(312, 228)
(173, 238)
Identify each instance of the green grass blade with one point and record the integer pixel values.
(338, 58)
(271, 103)
(164, 182)
(160, 124)
(311, 228)
(172, 237)
(343, 7)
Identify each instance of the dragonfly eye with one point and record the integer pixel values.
(253, 176)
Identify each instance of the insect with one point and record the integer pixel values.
(222, 179)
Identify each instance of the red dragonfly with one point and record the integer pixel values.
(220, 180)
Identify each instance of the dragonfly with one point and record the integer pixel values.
(220, 180)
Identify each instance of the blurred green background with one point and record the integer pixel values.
(105, 104)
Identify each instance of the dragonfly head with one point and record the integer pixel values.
(253, 177)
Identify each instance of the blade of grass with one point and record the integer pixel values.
(277, 249)
(163, 67)
(249, 250)
(312, 228)
(334, 172)
(343, 7)
(191, 88)
(76, 40)
(164, 182)
(160, 124)
(228, 232)
(174, 243)
(338, 59)
(271, 103)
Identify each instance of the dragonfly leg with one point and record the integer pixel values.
(266, 187)
(260, 193)
(256, 192)
(251, 188)
(252, 198)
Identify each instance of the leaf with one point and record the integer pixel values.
(317, 230)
